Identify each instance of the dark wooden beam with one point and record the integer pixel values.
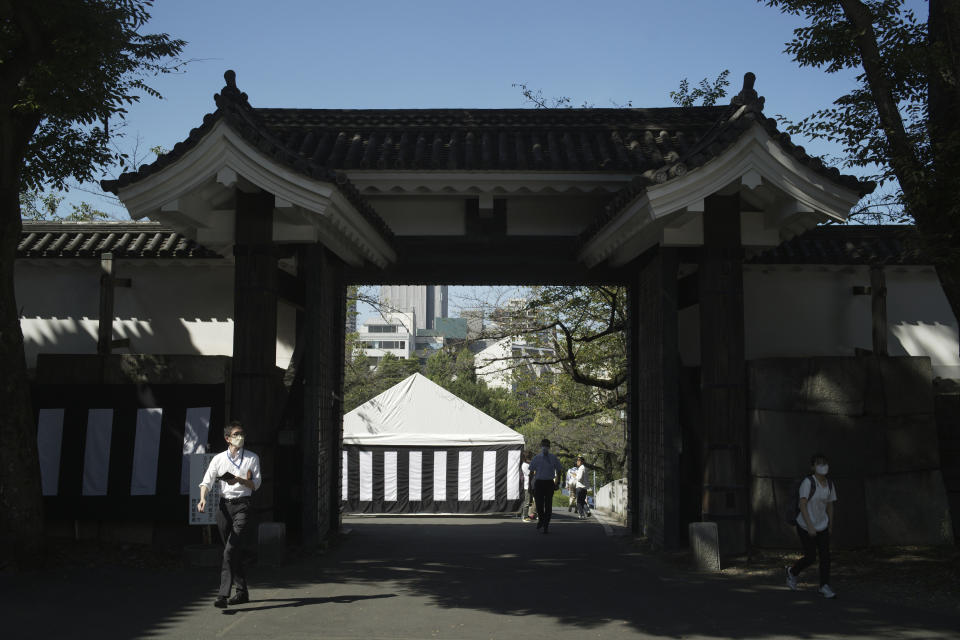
(255, 380)
(654, 405)
(108, 283)
(506, 260)
(725, 497)
(878, 309)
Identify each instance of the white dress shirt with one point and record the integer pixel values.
(544, 465)
(222, 463)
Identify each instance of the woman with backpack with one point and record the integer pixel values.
(815, 523)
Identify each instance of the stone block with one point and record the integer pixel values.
(836, 386)
(705, 545)
(271, 542)
(781, 443)
(768, 527)
(908, 508)
(850, 511)
(819, 385)
(733, 537)
(907, 385)
(912, 443)
(776, 384)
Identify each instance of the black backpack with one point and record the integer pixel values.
(793, 503)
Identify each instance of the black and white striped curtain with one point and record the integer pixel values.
(120, 451)
(481, 479)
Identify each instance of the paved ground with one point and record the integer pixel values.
(455, 577)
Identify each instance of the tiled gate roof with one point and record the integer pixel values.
(655, 144)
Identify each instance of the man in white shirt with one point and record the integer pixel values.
(238, 472)
(547, 474)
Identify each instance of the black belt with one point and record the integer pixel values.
(237, 500)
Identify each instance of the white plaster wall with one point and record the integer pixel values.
(493, 365)
(172, 308)
(811, 311)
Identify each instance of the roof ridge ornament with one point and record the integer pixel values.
(230, 92)
(748, 96)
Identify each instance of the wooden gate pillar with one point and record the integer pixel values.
(254, 379)
(653, 398)
(322, 429)
(725, 497)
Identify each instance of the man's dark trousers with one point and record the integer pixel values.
(543, 496)
(232, 518)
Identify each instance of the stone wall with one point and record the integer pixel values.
(947, 407)
(612, 498)
(874, 419)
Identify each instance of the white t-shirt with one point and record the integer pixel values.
(525, 472)
(817, 505)
(578, 477)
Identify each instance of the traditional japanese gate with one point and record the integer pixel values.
(664, 201)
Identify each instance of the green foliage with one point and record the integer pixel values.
(900, 121)
(67, 67)
(578, 402)
(828, 42)
(37, 206)
(708, 93)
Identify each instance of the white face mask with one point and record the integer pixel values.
(237, 441)
(822, 469)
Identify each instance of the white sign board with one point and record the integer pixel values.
(198, 466)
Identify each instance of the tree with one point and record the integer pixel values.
(38, 206)
(708, 93)
(901, 119)
(66, 68)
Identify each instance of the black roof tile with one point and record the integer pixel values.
(91, 239)
(848, 245)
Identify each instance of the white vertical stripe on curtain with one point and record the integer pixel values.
(489, 475)
(96, 458)
(439, 476)
(513, 475)
(366, 476)
(196, 433)
(49, 442)
(344, 484)
(416, 475)
(463, 477)
(390, 476)
(146, 452)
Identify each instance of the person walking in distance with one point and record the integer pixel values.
(580, 486)
(815, 524)
(547, 473)
(524, 513)
(571, 483)
(238, 471)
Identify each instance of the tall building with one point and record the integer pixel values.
(426, 302)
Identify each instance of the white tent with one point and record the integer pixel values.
(416, 447)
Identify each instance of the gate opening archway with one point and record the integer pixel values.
(665, 201)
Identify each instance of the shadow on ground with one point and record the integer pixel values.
(584, 579)
(392, 577)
